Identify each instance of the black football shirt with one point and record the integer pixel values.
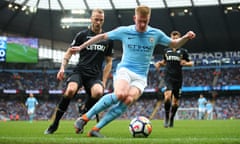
(173, 69)
(92, 57)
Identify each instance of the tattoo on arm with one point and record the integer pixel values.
(65, 62)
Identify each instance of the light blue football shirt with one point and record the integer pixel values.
(138, 47)
(209, 106)
(31, 102)
(202, 102)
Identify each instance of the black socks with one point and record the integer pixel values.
(62, 107)
(167, 106)
(173, 111)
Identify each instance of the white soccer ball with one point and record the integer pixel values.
(140, 127)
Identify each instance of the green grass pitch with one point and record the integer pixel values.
(21, 54)
(184, 132)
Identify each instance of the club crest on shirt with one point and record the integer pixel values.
(151, 39)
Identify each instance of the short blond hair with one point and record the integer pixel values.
(143, 10)
(98, 10)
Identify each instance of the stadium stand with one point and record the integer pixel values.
(224, 81)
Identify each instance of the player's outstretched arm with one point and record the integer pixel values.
(177, 43)
(93, 40)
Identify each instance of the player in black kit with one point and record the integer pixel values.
(88, 73)
(174, 59)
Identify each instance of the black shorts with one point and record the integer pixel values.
(85, 81)
(174, 86)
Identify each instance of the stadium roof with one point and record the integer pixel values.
(216, 22)
(116, 4)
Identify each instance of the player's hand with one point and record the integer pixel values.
(157, 65)
(191, 35)
(60, 75)
(183, 62)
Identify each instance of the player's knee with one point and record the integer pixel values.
(121, 96)
(167, 96)
(97, 91)
(167, 99)
(71, 89)
(129, 100)
(70, 92)
(132, 96)
(97, 94)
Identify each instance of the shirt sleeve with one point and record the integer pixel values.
(164, 39)
(77, 39)
(185, 55)
(116, 34)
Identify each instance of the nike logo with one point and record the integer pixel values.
(131, 37)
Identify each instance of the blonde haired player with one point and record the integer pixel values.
(138, 42)
(88, 73)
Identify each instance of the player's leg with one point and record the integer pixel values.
(175, 104)
(95, 91)
(176, 94)
(32, 117)
(135, 91)
(61, 109)
(167, 99)
(210, 115)
(72, 87)
(30, 114)
(112, 114)
(89, 104)
(167, 106)
(201, 113)
(33, 114)
(104, 103)
(121, 87)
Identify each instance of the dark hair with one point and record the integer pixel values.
(175, 33)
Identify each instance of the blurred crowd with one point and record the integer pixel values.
(225, 106)
(201, 76)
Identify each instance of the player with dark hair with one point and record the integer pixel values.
(88, 72)
(209, 110)
(202, 101)
(173, 60)
(138, 42)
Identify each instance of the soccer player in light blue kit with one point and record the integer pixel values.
(138, 42)
(209, 109)
(202, 101)
(31, 104)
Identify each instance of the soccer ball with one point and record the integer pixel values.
(140, 127)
